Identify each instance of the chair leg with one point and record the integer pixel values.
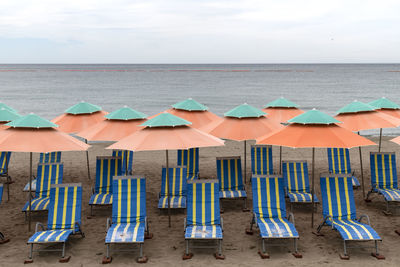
(107, 259)
(187, 255)
(376, 254)
(3, 239)
(142, 258)
(30, 258)
(219, 255)
(245, 209)
(250, 231)
(263, 254)
(63, 258)
(367, 197)
(387, 211)
(296, 253)
(345, 256)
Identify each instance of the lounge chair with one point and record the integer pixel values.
(261, 160)
(229, 172)
(339, 163)
(269, 213)
(190, 159)
(384, 178)
(2, 237)
(4, 162)
(297, 184)
(339, 211)
(48, 174)
(177, 183)
(126, 158)
(203, 221)
(64, 219)
(106, 169)
(129, 223)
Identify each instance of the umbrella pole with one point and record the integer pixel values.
(244, 171)
(8, 179)
(87, 159)
(362, 172)
(30, 192)
(312, 189)
(167, 178)
(380, 140)
(280, 159)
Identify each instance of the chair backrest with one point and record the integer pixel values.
(229, 172)
(203, 202)
(261, 160)
(339, 160)
(295, 176)
(177, 181)
(129, 199)
(1, 192)
(51, 157)
(4, 161)
(106, 169)
(383, 170)
(126, 157)
(337, 196)
(48, 174)
(268, 196)
(190, 159)
(65, 206)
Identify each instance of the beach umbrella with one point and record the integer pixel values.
(2, 105)
(242, 123)
(314, 129)
(281, 110)
(34, 134)
(386, 106)
(166, 132)
(358, 116)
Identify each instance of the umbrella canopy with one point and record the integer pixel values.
(79, 117)
(386, 106)
(282, 110)
(2, 105)
(6, 116)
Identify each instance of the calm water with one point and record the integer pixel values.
(49, 89)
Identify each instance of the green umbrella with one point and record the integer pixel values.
(2, 105)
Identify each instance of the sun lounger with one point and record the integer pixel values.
(126, 158)
(190, 159)
(2, 237)
(261, 160)
(177, 183)
(4, 162)
(339, 163)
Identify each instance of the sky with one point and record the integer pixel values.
(199, 31)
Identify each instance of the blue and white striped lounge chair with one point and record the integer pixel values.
(339, 163)
(64, 219)
(297, 183)
(261, 160)
(48, 174)
(203, 221)
(177, 183)
(126, 158)
(384, 177)
(2, 237)
(229, 172)
(106, 168)
(4, 162)
(190, 159)
(129, 220)
(269, 213)
(339, 211)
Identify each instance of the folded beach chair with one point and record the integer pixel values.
(126, 159)
(106, 168)
(48, 174)
(269, 213)
(203, 221)
(177, 183)
(384, 177)
(64, 219)
(2, 237)
(190, 159)
(129, 220)
(4, 162)
(297, 184)
(229, 172)
(339, 211)
(261, 160)
(339, 163)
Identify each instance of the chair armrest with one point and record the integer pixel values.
(108, 225)
(184, 224)
(222, 224)
(146, 224)
(38, 224)
(79, 227)
(326, 219)
(254, 218)
(92, 190)
(291, 217)
(365, 216)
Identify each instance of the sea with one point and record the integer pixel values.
(48, 90)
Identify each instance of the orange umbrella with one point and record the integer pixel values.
(314, 129)
(166, 132)
(282, 110)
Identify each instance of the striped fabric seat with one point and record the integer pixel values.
(261, 160)
(177, 183)
(48, 174)
(339, 163)
(229, 172)
(106, 169)
(26, 188)
(190, 159)
(203, 232)
(52, 157)
(126, 158)
(126, 233)
(384, 175)
(297, 184)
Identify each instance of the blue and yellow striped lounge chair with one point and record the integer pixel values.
(2, 237)
(126, 158)
(261, 160)
(1, 192)
(297, 183)
(339, 163)
(106, 168)
(269, 213)
(384, 177)
(339, 211)
(229, 172)
(4, 162)
(177, 183)
(203, 221)
(190, 159)
(64, 219)
(128, 224)
(48, 174)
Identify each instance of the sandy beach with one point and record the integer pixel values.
(167, 246)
